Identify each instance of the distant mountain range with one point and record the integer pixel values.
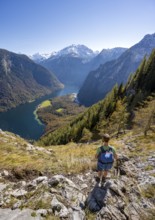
(22, 80)
(72, 64)
(79, 51)
(100, 81)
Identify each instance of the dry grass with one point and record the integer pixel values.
(71, 158)
(144, 145)
(149, 192)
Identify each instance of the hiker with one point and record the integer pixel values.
(105, 155)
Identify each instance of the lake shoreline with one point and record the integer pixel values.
(21, 120)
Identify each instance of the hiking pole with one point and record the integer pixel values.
(117, 170)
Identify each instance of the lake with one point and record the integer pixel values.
(21, 120)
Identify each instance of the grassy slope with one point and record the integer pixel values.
(70, 158)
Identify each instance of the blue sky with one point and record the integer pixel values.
(30, 26)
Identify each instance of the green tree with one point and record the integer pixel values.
(145, 117)
(119, 118)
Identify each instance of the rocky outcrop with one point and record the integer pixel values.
(128, 193)
(69, 197)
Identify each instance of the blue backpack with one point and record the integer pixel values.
(106, 156)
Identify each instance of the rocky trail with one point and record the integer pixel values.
(126, 195)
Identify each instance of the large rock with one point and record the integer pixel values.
(59, 208)
(2, 186)
(18, 193)
(62, 179)
(25, 214)
(77, 214)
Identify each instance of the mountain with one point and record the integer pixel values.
(22, 80)
(38, 57)
(71, 64)
(107, 55)
(100, 81)
(142, 83)
(79, 51)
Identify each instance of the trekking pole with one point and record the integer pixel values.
(117, 171)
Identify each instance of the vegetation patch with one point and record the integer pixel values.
(59, 113)
(149, 192)
(59, 110)
(45, 104)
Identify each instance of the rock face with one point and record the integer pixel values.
(99, 82)
(68, 197)
(22, 80)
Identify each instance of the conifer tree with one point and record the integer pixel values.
(118, 119)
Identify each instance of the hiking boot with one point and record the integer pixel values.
(103, 179)
(100, 184)
(97, 179)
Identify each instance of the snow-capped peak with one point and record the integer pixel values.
(79, 51)
(41, 57)
(76, 50)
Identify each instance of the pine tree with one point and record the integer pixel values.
(119, 118)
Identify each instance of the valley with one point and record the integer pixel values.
(21, 120)
(50, 174)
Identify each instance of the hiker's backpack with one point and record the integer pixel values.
(106, 156)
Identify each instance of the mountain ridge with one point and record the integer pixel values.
(100, 81)
(22, 80)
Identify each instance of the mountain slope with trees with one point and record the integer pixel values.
(111, 114)
(100, 81)
(22, 80)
